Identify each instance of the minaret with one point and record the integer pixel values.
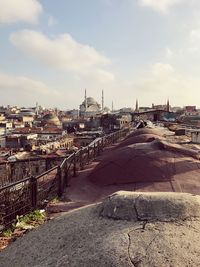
(168, 106)
(102, 103)
(112, 106)
(37, 109)
(78, 114)
(136, 106)
(85, 100)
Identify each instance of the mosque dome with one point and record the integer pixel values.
(27, 112)
(91, 101)
(92, 105)
(51, 119)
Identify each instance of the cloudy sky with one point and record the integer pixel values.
(52, 50)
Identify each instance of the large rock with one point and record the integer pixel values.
(83, 238)
(151, 206)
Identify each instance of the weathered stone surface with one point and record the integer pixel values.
(83, 238)
(165, 245)
(151, 206)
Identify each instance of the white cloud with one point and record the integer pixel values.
(12, 11)
(52, 21)
(160, 70)
(194, 41)
(64, 53)
(163, 81)
(23, 84)
(161, 78)
(169, 53)
(162, 6)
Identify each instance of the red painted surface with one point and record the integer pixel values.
(149, 167)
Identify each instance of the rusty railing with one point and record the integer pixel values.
(24, 196)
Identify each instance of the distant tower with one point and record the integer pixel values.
(102, 103)
(78, 113)
(168, 106)
(136, 106)
(36, 109)
(85, 100)
(112, 106)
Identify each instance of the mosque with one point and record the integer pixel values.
(90, 107)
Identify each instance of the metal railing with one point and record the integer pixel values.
(24, 196)
(17, 170)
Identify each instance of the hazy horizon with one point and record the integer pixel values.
(135, 49)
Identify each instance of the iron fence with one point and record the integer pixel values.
(20, 169)
(24, 196)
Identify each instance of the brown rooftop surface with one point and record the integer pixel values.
(154, 131)
(27, 130)
(146, 163)
(142, 138)
(148, 167)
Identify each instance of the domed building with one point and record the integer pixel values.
(89, 107)
(51, 120)
(27, 112)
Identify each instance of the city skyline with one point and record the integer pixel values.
(144, 49)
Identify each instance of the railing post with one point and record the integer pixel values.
(102, 144)
(59, 177)
(94, 150)
(98, 148)
(88, 154)
(66, 174)
(113, 138)
(47, 163)
(84, 156)
(74, 162)
(81, 158)
(33, 187)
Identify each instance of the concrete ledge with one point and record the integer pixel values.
(151, 206)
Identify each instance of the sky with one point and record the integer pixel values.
(132, 49)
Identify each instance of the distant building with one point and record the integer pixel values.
(142, 109)
(90, 107)
(190, 110)
(126, 110)
(51, 120)
(18, 141)
(195, 134)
